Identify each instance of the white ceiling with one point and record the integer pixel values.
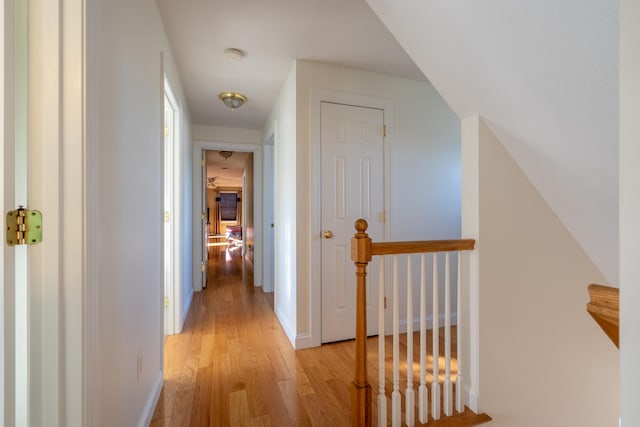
(544, 74)
(273, 34)
(225, 172)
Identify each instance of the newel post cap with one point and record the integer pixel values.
(361, 243)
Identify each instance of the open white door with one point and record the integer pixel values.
(43, 286)
(170, 108)
(203, 216)
(269, 219)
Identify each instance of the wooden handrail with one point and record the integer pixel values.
(362, 249)
(393, 248)
(604, 307)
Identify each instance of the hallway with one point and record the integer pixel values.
(233, 364)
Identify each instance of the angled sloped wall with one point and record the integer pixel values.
(543, 360)
(544, 76)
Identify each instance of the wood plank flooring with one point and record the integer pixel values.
(233, 365)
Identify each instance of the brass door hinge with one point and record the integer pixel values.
(384, 131)
(24, 227)
(166, 131)
(385, 302)
(202, 266)
(166, 217)
(202, 162)
(166, 302)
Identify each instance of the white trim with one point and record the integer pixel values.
(7, 189)
(93, 217)
(469, 153)
(198, 146)
(286, 327)
(316, 96)
(303, 341)
(58, 146)
(173, 324)
(472, 399)
(268, 269)
(152, 401)
(429, 320)
(185, 311)
(74, 198)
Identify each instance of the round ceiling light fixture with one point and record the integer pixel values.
(233, 100)
(234, 54)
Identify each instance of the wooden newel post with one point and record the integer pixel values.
(360, 387)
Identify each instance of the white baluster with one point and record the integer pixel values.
(382, 398)
(447, 388)
(459, 377)
(435, 386)
(423, 394)
(396, 414)
(409, 397)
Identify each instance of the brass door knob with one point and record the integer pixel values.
(328, 234)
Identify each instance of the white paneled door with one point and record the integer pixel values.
(352, 187)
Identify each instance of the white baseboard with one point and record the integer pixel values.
(304, 341)
(185, 311)
(471, 399)
(429, 319)
(285, 326)
(152, 401)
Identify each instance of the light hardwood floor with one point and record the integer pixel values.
(233, 365)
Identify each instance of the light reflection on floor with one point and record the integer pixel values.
(216, 244)
(231, 251)
(231, 248)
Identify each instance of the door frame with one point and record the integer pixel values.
(171, 268)
(7, 258)
(199, 145)
(316, 97)
(268, 210)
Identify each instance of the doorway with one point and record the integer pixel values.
(204, 221)
(229, 214)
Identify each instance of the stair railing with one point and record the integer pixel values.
(362, 251)
(604, 307)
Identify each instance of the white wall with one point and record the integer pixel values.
(424, 177)
(629, 211)
(226, 134)
(125, 80)
(542, 357)
(287, 201)
(509, 62)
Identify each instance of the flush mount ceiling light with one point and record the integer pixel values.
(234, 54)
(233, 100)
(225, 154)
